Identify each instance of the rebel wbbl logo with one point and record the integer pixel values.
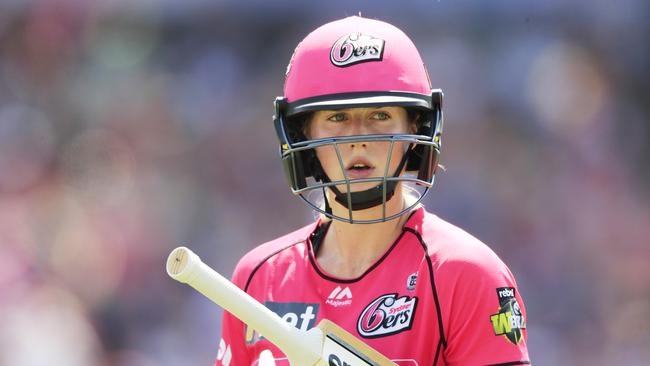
(509, 321)
(388, 314)
(355, 48)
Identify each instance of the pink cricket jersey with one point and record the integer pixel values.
(438, 296)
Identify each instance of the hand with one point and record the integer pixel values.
(266, 358)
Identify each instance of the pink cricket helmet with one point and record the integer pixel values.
(341, 59)
(357, 62)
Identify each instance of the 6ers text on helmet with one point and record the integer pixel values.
(354, 48)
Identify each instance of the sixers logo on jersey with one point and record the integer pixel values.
(356, 48)
(388, 314)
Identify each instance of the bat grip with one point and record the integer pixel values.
(185, 266)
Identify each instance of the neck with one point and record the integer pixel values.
(348, 250)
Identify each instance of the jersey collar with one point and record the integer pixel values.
(415, 220)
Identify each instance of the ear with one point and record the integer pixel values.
(306, 130)
(413, 127)
(306, 125)
(413, 121)
(414, 124)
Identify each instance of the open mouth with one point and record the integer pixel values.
(359, 168)
(359, 164)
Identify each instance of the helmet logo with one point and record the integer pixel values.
(355, 48)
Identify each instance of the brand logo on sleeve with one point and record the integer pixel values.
(411, 281)
(386, 315)
(297, 314)
(509, 320)
(340, 297)
(355, 48)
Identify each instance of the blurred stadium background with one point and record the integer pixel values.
(130, 127)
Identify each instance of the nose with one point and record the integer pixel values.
(358, 127)
(358, 144)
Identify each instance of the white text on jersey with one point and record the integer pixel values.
(340, 297)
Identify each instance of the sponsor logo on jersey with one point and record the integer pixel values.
(355, 48)
(224, 354)
(299, 315)
(509, 320)
(386, 315)
(340, 297)
(411, 281)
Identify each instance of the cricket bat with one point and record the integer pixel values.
(325, 345)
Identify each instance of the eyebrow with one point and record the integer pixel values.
(348, 109)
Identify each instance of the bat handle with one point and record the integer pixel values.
(302, 348)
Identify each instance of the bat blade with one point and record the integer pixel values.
(326, 345)
(342, 348)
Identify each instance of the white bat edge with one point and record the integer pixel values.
(301, 348)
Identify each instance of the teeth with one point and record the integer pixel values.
(358, 166)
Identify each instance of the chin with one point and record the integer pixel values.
(358, 187)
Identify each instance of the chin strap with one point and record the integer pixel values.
(370, 197)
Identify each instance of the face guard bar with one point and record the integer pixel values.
(306, 176)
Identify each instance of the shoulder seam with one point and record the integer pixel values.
(250, 277)
(433, 284)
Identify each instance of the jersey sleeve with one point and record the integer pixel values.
(484, 313)
(232, 346)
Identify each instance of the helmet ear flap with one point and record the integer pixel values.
(424, 158)
(428, 163)
(294, 170)
(300, 165)
(292, 162)
(420, 152)
(297, 165)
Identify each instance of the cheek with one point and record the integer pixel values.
(317, 130)
(382, 149)
(396, 155)
(328, 159)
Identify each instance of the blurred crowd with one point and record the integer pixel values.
(128, 128)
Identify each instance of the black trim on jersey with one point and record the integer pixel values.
(250, 277)
(435, 360)
(319, 235)
(433, 286)
(352, 280)
(435, 297)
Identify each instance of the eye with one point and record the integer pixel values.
(381, 115)
(337, 117)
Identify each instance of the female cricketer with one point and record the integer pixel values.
(360, 130)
